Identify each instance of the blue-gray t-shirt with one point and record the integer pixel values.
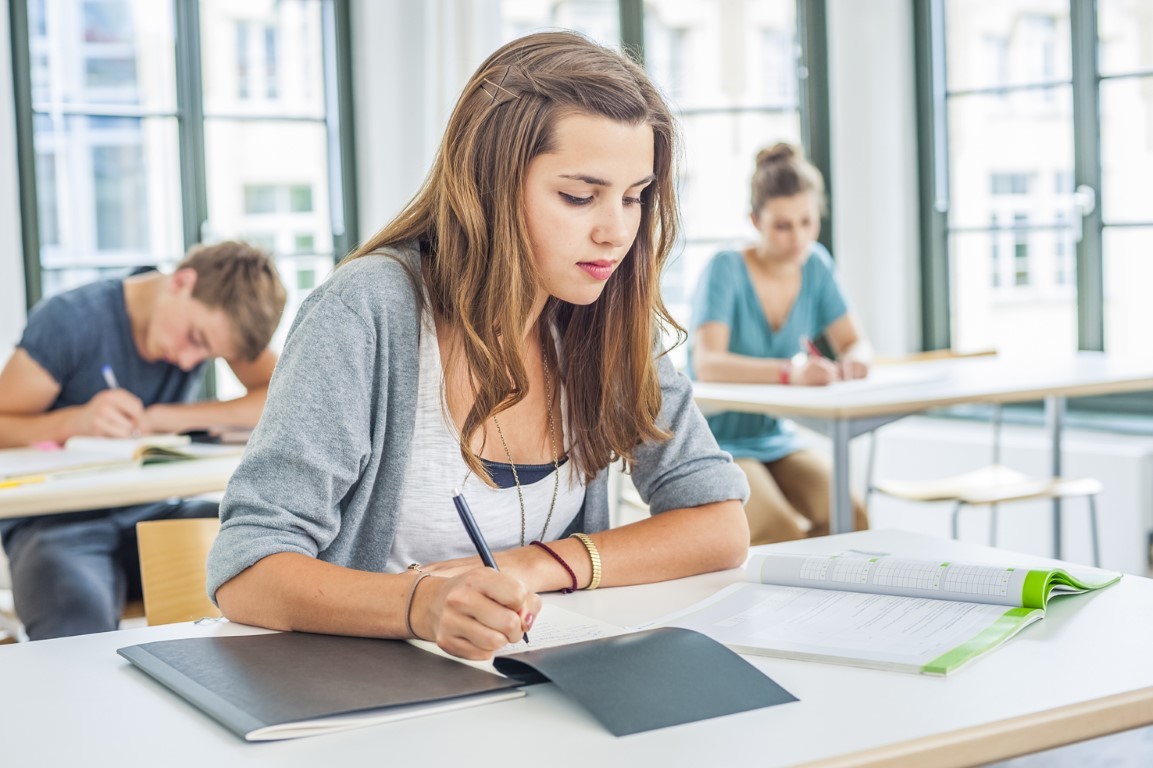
(72, 335)
(725, 294)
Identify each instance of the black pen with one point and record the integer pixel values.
(474, 533)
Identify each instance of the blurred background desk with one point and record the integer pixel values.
(845, 410)
(119, 487)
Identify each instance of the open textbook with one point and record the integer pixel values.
(87, 454)
(879, 611)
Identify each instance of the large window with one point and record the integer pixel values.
(152, 125)
(1039, 123)
(735, 73)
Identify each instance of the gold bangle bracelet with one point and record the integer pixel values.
(594, 557)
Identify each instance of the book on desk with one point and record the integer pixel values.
(880, 611)
(90, 454)
(286, 685)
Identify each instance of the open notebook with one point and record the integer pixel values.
(880, 611)
(85, 454)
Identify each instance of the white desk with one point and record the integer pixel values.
(115, 488)
(1085, 670)
(844, 411)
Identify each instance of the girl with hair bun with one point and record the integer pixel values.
(498, 337)
(755, 314)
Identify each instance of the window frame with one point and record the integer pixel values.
(933, 192)
(813, 86)
(189, 115)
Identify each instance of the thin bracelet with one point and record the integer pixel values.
(559, 559)
(594, 558)
(408, 603)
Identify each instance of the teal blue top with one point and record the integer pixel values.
(725, 295)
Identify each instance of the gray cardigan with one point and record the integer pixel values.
(324, 470)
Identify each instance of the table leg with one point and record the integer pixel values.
(1054, 418)
(841, 517)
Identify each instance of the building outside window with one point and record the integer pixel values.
(142, 147)
(1066, 103)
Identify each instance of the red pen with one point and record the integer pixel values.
(811, 348)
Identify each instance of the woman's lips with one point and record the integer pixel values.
(598, 270)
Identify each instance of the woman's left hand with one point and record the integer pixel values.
(853, 368)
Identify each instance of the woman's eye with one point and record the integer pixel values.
(633, 201)
(574, 200)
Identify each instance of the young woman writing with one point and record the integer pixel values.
(497, 338)
(755, 314)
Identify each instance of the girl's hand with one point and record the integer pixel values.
(473, 614)
(816, 372)
(852, 368)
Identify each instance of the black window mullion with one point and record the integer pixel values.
(933, 169)
(190, 129)
(1087, 173)
(812, 32)
(632, 22)
(25, 149)
(190, 109)
(342, 163)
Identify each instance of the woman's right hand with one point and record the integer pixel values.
(474, 614)
(815, 372)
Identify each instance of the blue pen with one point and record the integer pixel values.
(474, 533)
(109, 377)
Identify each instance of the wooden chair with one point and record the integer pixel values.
(991, 485)
(173, 554)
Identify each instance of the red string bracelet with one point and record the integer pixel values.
(559, 559)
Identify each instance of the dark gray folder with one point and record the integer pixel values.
(255, 685)
(652, 679)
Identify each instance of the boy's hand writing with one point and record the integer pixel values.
(110, 413)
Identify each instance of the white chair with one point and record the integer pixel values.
(990, 486)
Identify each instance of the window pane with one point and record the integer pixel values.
(102, 52)
(268, 184)
(1125, 29)
(1011, 154)
(716, 53)
(1006, 42)
(1006, 294)
(263, 58)
(1127, 150)
(599, 19)
(109, 194)
(1128, 275)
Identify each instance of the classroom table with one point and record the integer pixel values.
(1083, 671)
(99, 489)
(845, 410)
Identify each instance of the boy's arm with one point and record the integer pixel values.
(27, 391)
(242, 411)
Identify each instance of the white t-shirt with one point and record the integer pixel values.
(429, 529)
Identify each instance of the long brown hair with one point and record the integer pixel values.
(477, 261)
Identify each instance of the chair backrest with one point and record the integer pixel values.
(173, 554)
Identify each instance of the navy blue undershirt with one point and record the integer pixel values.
(529, 473)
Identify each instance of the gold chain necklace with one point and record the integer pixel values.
(555, 459)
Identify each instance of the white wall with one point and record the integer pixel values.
(410, 61)
(874, 167)
(11, 255)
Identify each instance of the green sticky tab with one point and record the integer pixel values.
(1006, 625)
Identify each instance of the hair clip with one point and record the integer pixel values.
(496, 90)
